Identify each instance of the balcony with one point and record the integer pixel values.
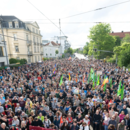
(29, 42)
(30, 53)
(41, 53)
(41, 44)
(34, 43)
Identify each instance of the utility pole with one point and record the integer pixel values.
(60, 34)
(4, 41)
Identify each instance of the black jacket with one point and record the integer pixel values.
(37, 123)
(96, 118)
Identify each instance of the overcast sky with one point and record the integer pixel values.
(55, 9)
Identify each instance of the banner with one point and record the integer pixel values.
(38, 128)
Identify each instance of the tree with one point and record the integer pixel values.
(56, 51)
(99, 38)
(126, 39)
(69, 50)
(86, 49)
(118, 41)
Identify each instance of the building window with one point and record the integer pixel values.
(2, 64)
(17, 58)
(16, 48)
(34, 49)
(33, 38)
(50, 54)
(36, 30)
(37, 39)
(1, 51)
(27, 37)
(29, 59)
(33, 29)
(38, 49)
(16, 25)
(28, 48)
(35, 58)
(15, 37)
(0, 25)
(46, 54)
(38, 58)
(10, 25)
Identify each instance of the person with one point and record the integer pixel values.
(122, 115)
(41, 117)
(86, 120)
(111, 127)
(96, 121)
(84, 126)
(15, 121)
(23, 126)
(37, 122)
(121, 126)
(106, 121)
(69, 118)
(112, 121)
(46, 122)
(124, 109)
(3, 127)
(65, 126)
(74, 126)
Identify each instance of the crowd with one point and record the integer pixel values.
(60, 94)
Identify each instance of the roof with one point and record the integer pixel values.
(12, 19)
(120, 34)
(53, 43)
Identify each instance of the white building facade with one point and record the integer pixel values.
(63, 41)
(49, 50)
(3, 57)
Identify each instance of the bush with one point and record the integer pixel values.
(13, 61)
(23, 61)
(63, 56)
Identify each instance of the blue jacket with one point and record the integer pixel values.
(125, 111)
(72, 128)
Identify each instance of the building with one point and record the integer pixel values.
(63, 41)
(120, 34)
(50, 48)
(3, 53)
(23, 39)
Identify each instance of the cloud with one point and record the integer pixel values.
(55, 9)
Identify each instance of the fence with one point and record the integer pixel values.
(38, 128)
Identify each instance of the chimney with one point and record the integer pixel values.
(112, 32)
(122, 31)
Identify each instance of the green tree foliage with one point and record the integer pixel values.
(100, 39)
(69, 50)
(77, 50)
(126, 39)
(118, 41)
(56, 51)
(123, 53)
(21, 61)
(86, 49)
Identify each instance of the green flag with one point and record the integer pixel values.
(61, 80)
(122, 92)
(119, 89)
(93, 80)
(98, 80)
(104, 88)
(91, 74)
(111, 83)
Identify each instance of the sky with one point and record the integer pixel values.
(59, 9)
